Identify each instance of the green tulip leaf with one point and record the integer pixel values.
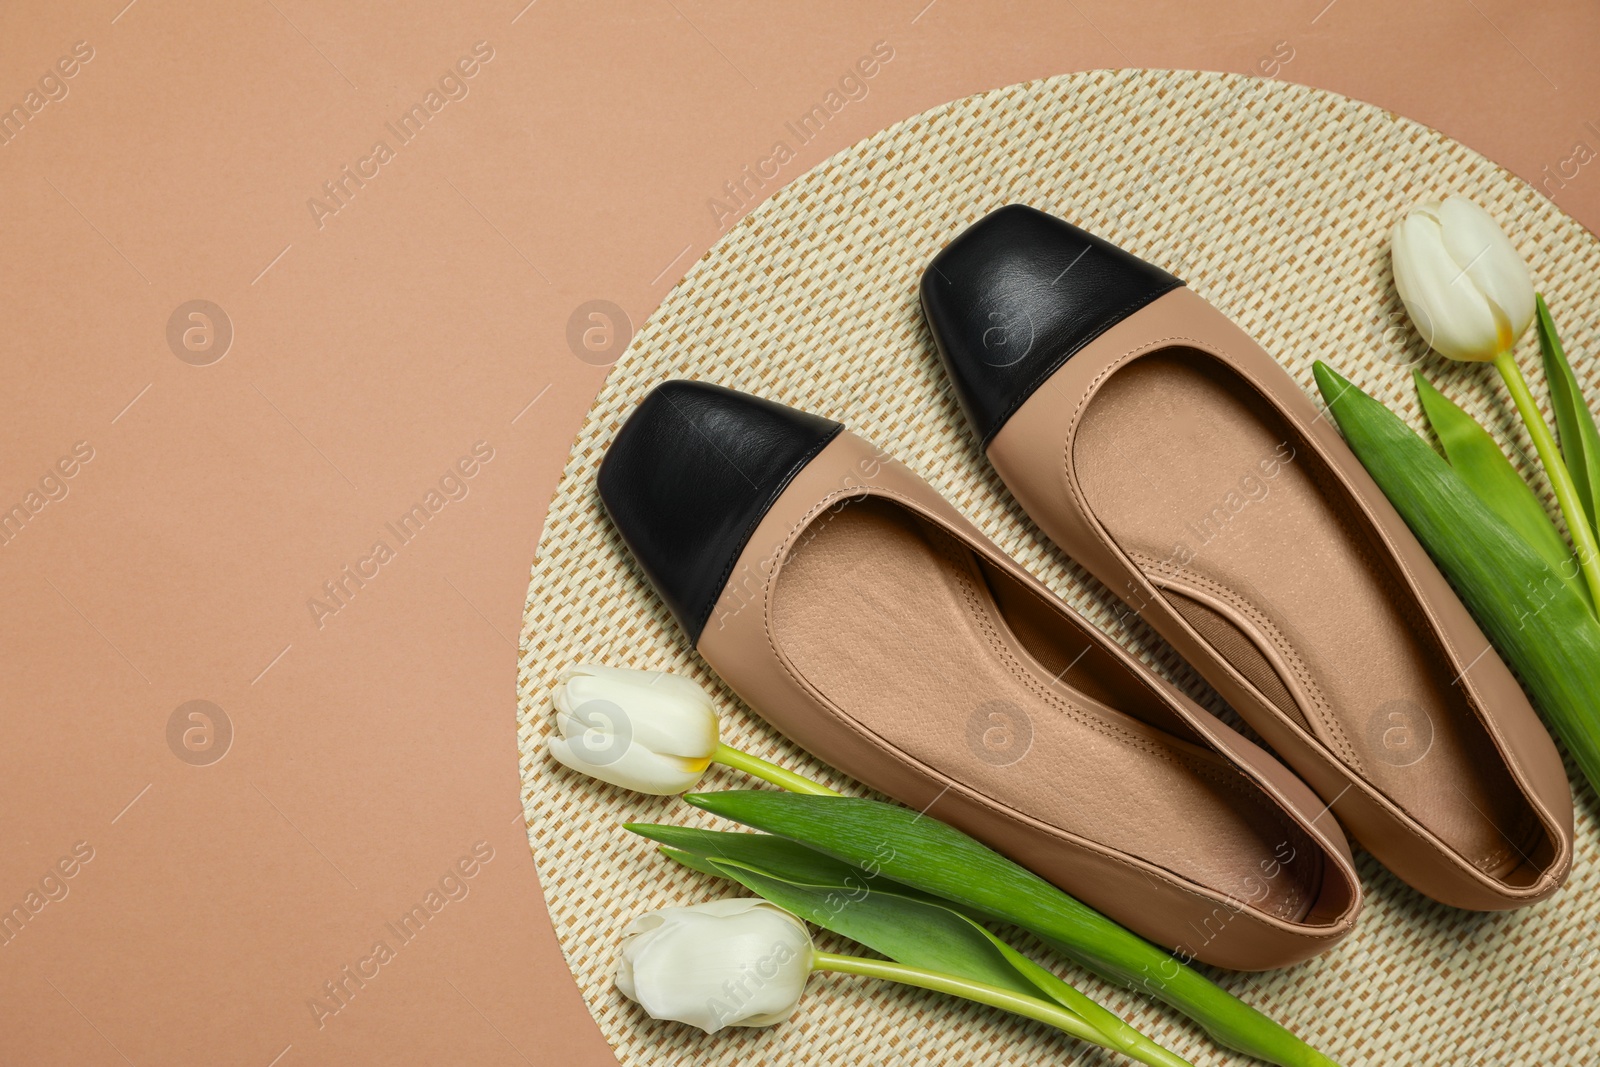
(776, 856)
(1543, 629)
(1575, 428)
(928, 855)
(692, 860)
(1044, 979)
(1477, 458)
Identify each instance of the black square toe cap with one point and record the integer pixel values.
(1016, 294)
(690, 475)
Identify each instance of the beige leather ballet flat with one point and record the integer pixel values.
(1167, 452)
(859, 613)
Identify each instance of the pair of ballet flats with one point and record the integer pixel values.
(1158, 445)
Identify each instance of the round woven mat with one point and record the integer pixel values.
(1274, 201)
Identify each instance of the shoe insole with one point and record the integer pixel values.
(1215, 497)
(893, 621)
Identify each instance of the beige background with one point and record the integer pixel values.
(371, 753)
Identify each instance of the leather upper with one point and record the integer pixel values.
(1038, 457)
(1016, 294)
(915, 739)
(690, 475)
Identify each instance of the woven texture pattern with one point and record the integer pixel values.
(1274, 201)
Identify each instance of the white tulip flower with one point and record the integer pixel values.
(644, 730)
(741, 962)
(1461, 279)
(1471, 296)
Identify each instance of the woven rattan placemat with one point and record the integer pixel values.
(1274, 201)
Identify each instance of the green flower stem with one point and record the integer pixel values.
(769, 772)
(1038, 1009)
(1583, 540)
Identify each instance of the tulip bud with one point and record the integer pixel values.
(741, 962)
(1461, 279)
(644, 730)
